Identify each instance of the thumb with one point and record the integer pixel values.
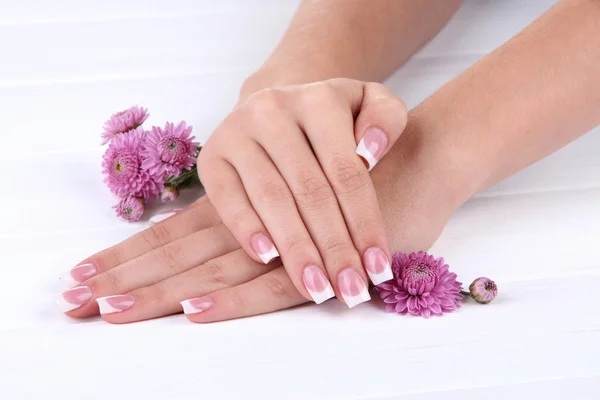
(381, 120)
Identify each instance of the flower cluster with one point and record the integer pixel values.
(140, 165)
(424, 286)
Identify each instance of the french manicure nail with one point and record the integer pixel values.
(264, 248)
(377, 265)
(195, 306)
(372, 145)
(74, 298)
(115, 304)
(317, 284)
(353, 288)
(80, 273)
(160, 217)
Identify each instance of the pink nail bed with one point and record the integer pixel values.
(74, 298)
(377, 265)
(195, 306)
(115, 304)
(353, 288)
(83, 272)
(317, 284)
(264, 247)
(372, 146)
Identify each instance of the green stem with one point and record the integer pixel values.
(185, 178)
(465, 293)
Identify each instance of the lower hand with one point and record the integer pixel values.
(193, 256)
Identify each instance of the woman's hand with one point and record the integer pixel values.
(189, 255)
(283, 174)
(192, 258)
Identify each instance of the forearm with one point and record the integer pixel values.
(525, 100)
(360, 39)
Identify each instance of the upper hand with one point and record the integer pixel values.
(283, 174)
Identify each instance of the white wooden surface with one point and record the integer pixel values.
(65, 65)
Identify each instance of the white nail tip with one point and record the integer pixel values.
(267, 257)
(160, 217)
(188, 308)
(320, 297)
(65, 306)
(107, 308)
(381, 277)
(364, 152)
(68, 281)
(362, 297)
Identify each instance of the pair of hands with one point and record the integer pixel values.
(282, 176)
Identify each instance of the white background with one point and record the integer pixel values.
(66, 65)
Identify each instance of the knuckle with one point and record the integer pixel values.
(338, 82)
(238, 301)
(348, 177)
(157, 293)
(156, 236)
(297, 244)
(323, 93)
(241, 218)
(336, 245)
(264, 102)
(170, 257)
(366, 227)
(274, 286)
(274, 193)
(215, 274)
(312, 191)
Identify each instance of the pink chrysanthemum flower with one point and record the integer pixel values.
(483, 290)
(422, 286)
(131, 208)
(170, 150)
(123, 121)
(122, 168)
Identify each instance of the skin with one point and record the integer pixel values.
(533, 95)
(305, 188)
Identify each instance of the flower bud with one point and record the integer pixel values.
(169, 194)
(483, 290)
(131, 208)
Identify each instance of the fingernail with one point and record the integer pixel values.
(115, 304)
(353, 288)
(377, 265)
(74, 298)
(80, 273)
(160, 217)
(195, 306)
(317, 284)
(372, 146)
(264, 248)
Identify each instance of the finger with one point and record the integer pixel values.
(270, 292)
(381, 118)
(272, 200)
(318, 207)
(226, 190)
(157, 265)
(334, 144)
(165, 297)
(198, 216)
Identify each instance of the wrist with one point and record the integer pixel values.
(427, 159)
